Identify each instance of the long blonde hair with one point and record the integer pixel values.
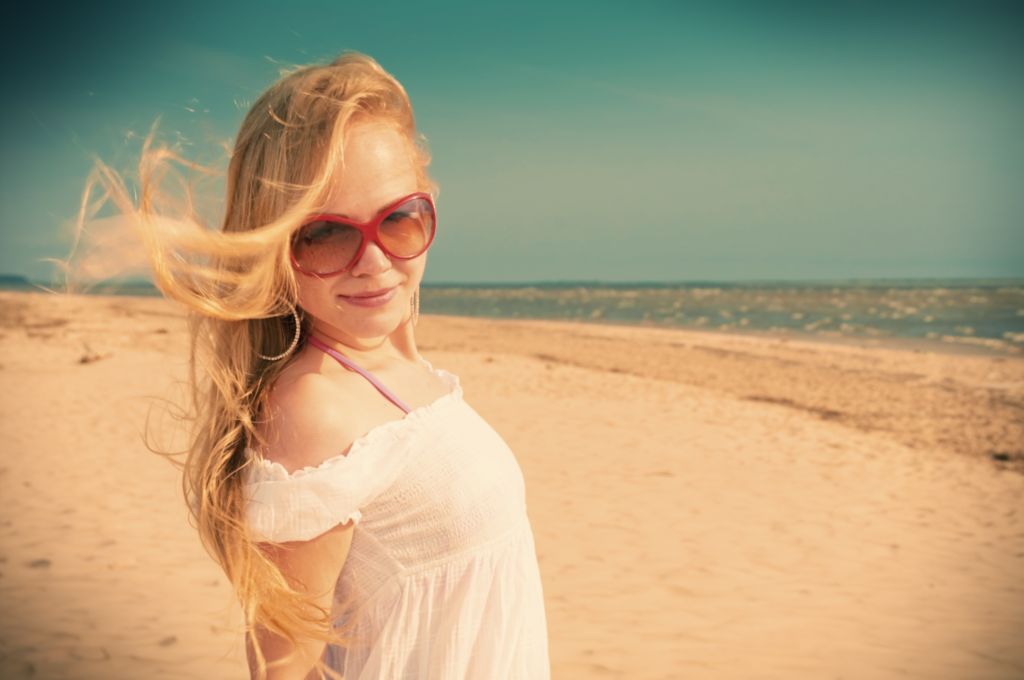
(239, 289)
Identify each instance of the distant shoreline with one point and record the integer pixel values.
(958, 347)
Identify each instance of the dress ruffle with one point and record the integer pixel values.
(302, 504)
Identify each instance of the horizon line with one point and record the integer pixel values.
(999, 280)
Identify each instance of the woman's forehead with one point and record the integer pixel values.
(378, 168)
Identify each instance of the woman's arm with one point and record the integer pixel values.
(312, 567)
(303, 430)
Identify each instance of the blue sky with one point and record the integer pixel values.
(641, 141)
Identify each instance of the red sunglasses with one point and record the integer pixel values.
(328, 245)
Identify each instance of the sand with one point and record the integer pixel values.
(705, 505)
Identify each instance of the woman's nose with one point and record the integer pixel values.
(372, 261)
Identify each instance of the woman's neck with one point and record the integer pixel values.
(398, 346)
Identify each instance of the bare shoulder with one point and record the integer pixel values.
(309, 419)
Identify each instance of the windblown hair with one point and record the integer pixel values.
(239, 289)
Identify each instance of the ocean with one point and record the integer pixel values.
(984, 315)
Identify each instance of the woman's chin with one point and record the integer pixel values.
(367, 324)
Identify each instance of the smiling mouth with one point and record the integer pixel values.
(375, 293)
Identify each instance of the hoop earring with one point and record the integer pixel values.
(414, 302)
(295, 340)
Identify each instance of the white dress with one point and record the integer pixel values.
(442, 567)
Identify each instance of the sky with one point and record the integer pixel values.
(596, 141)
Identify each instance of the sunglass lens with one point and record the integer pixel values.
(408, 230)
(323, 247)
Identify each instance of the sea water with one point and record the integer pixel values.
(985, 315)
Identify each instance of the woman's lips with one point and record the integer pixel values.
(370, 300)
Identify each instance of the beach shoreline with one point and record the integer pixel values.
(941, 395)
(943, 344)
(953, 345)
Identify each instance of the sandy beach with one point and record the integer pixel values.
(705, 505)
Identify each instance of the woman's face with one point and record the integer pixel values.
(379, 168)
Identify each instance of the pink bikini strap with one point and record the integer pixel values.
(347, 363)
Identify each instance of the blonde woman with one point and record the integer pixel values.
(372, 523)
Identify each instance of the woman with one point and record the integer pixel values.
(372, 523)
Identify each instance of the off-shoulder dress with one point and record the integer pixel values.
(442, 579)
